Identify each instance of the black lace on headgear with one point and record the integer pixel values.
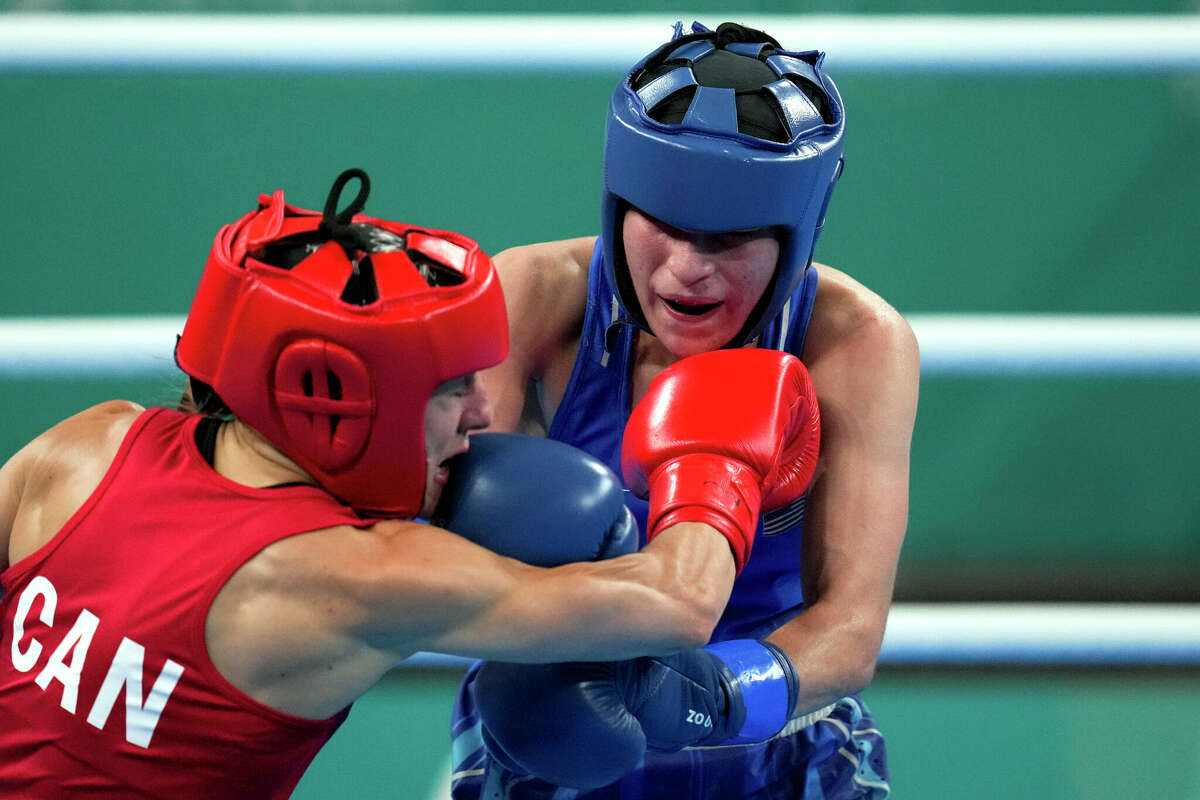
(355, 237)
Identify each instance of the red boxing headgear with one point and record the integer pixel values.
(328, 334)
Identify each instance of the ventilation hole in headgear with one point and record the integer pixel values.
(289, 251)
(370, 238)
(758, 112)
(671, 110)
(434, 272)
(334, 384)
(759, 116)
(335, 393)
(722, 69)
(361, 288)
(816, 96)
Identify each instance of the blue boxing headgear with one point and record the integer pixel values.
(758, 144)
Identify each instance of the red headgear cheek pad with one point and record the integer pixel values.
(328, 333)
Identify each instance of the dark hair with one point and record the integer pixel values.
(199, 398)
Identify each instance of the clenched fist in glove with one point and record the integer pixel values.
(721, 436)
(584, 725)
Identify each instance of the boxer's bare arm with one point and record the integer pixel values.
(667, 596)
(314, 620)
(545, 290)
(865, 366)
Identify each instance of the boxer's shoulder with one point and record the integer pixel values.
(851, 322)
(53, 475)
(545, 286)
(87, 440)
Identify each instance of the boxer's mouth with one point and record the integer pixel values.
(691, 309)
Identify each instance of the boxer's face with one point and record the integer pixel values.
(456, 408)
(696, 289)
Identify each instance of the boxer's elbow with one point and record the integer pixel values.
(677, 626)
(860, 671)
(692, 625)
(858, 644)
(689, 574)
(692, 605)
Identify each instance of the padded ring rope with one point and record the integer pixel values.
(1021, 634)
(951, 344)
(582, 42)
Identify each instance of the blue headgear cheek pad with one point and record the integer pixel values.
(702, 174)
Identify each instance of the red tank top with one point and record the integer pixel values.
(106, 687)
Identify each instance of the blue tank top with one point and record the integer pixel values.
(592, 417)
(840, 757)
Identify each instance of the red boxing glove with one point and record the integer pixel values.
(715, 434)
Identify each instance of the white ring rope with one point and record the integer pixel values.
(84, 346)
(586, 42)
(1037, 633)
(951, 344)
(1057, 344)
(1021, 634)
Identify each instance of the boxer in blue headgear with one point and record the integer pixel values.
(722, 152)
(711, 133)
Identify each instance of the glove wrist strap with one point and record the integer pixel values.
(768, 684)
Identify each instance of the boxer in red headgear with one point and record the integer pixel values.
(193, 599)
(351, 348)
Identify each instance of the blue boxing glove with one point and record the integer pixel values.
(733, 692)
(584, 725)
(536, 500)
(545, 503)
(563, 723)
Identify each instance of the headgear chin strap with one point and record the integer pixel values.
(704, 174)
(328, 334)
